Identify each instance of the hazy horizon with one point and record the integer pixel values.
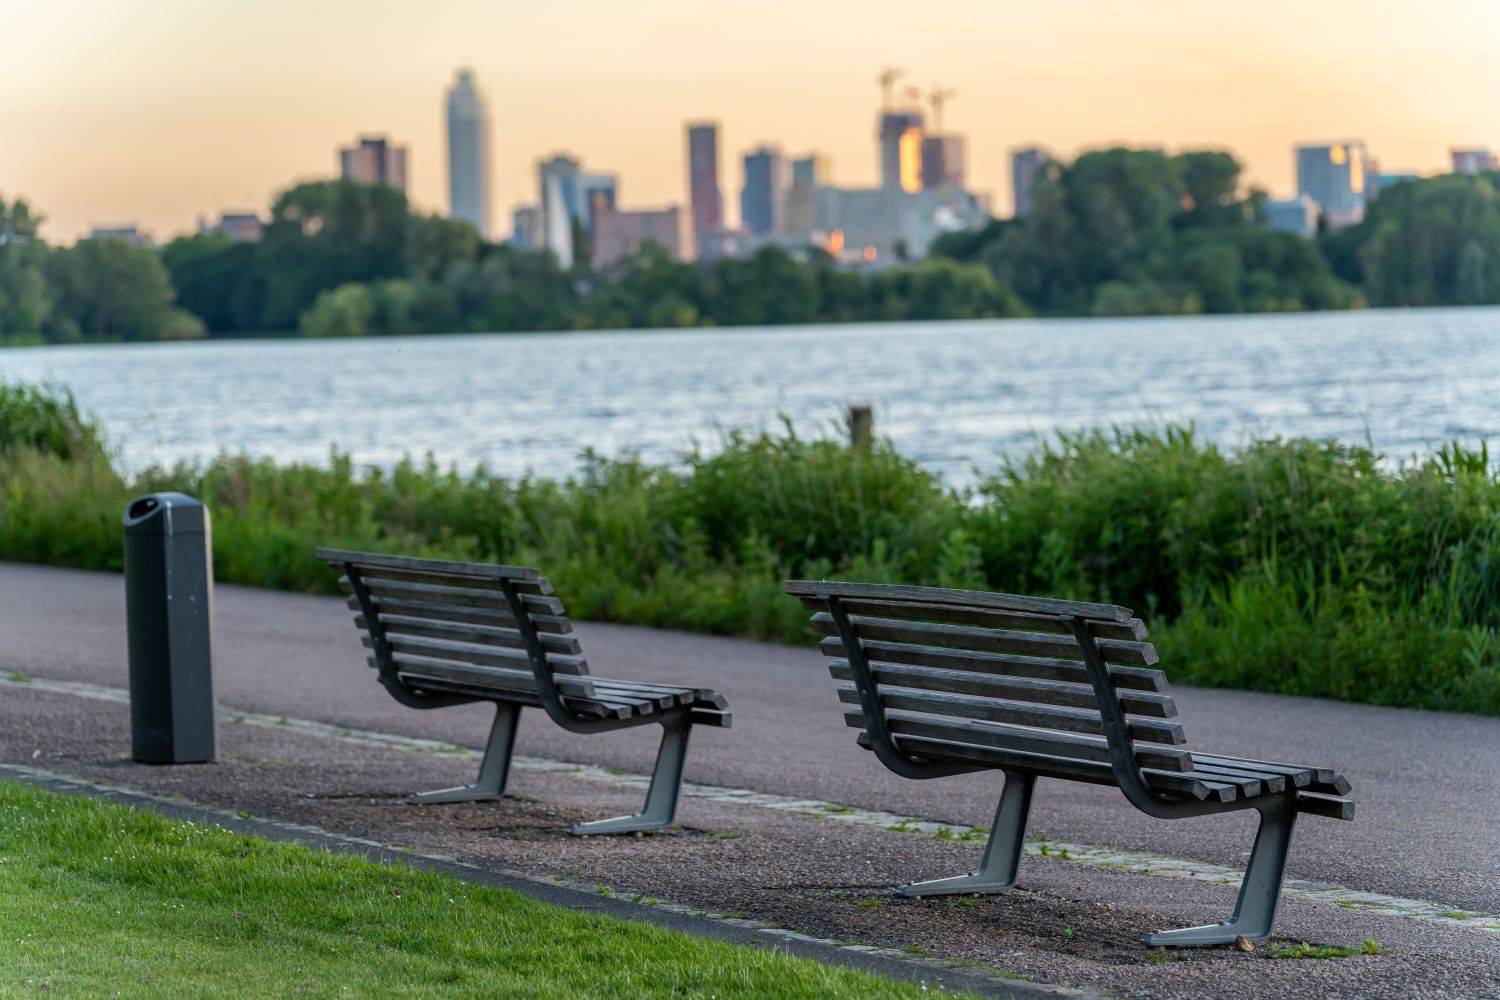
(162, 110)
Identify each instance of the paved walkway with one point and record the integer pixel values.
(1428, 783)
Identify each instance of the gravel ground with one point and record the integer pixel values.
(1065, 923)
(1428, 783)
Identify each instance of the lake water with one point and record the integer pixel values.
(953, 395)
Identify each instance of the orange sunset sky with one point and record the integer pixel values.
(154, 111)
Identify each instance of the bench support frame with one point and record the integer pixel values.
(494, 769)
(1260, 892)
(666, 784)
(1002, 855)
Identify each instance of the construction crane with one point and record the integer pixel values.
(938, 97)
(887, 80)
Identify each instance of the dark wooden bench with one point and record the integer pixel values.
(446, 633)
(942, 682)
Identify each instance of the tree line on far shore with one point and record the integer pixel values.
(1115, 232)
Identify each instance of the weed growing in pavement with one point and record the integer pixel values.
(874, 902)
(1305, 950)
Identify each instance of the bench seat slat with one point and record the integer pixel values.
(982, 640)
(1037, 741)
(498, 678)
(1171, 782)
(537, 585)
(1039, 668)
(1324, 779)
(484, 635)
(1325, 805)
(470, 596)
(527, 699)
(935, 678)
(465, 614)
(1073, 720)
(1015, 621)
(974, 598)
(484, 571)
(562, 665)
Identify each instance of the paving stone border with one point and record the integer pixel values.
(1105, 857)
(888, 962)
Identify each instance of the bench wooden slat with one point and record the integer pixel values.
(1325, 805)
(537, 586)
(1003, 686)
(1296, 778)
(1324, 779)
(470, 596)
(983, 640)
(1073, 720)
(698, 696)
(993, 734)
(485, 571)
(1171, 782)
(527, 699)
(974, 598)
(493, 657)
(484, 635)
(1039, 668)
(498, 679)
(466, 614)
(1016, 621)
(709, 717)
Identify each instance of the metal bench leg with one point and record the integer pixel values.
(1255, 910)
(1002, 855)
(666, 782)
(493, 770)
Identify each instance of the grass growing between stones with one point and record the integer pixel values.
(1291, 566)
(100, 899)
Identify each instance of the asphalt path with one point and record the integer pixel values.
(1427, 783)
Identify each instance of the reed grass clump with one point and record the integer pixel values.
(1293, 566)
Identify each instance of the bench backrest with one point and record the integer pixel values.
(453, 624)
(1002, 671)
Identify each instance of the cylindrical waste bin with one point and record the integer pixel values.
(169, 610)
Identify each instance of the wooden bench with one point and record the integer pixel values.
(447, 633)
(942, 682)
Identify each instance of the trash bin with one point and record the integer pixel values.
(169, 613)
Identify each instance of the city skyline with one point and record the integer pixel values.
(195, 128)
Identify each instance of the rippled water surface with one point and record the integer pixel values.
(953, 395)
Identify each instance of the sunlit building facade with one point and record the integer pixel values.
(1335, 177)
(468, 153)
(374, 160)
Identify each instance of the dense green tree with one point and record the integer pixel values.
(108, 289)
(25, 299)
(1427, 242)
(214, 276)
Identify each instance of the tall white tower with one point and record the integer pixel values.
(468, 154)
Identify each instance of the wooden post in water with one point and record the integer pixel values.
(861, 426)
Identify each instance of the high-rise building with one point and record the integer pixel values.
(704, 198)
(808, 174)
(1026, 166)
(526, 227)
(942, 162)
(762, 199)
(600, 192)
(561, 200)
(1334, 176)
(1474, 161)
(468, 154)
(374, 159)
(900, 140)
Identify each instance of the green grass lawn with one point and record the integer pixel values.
(99, 899)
